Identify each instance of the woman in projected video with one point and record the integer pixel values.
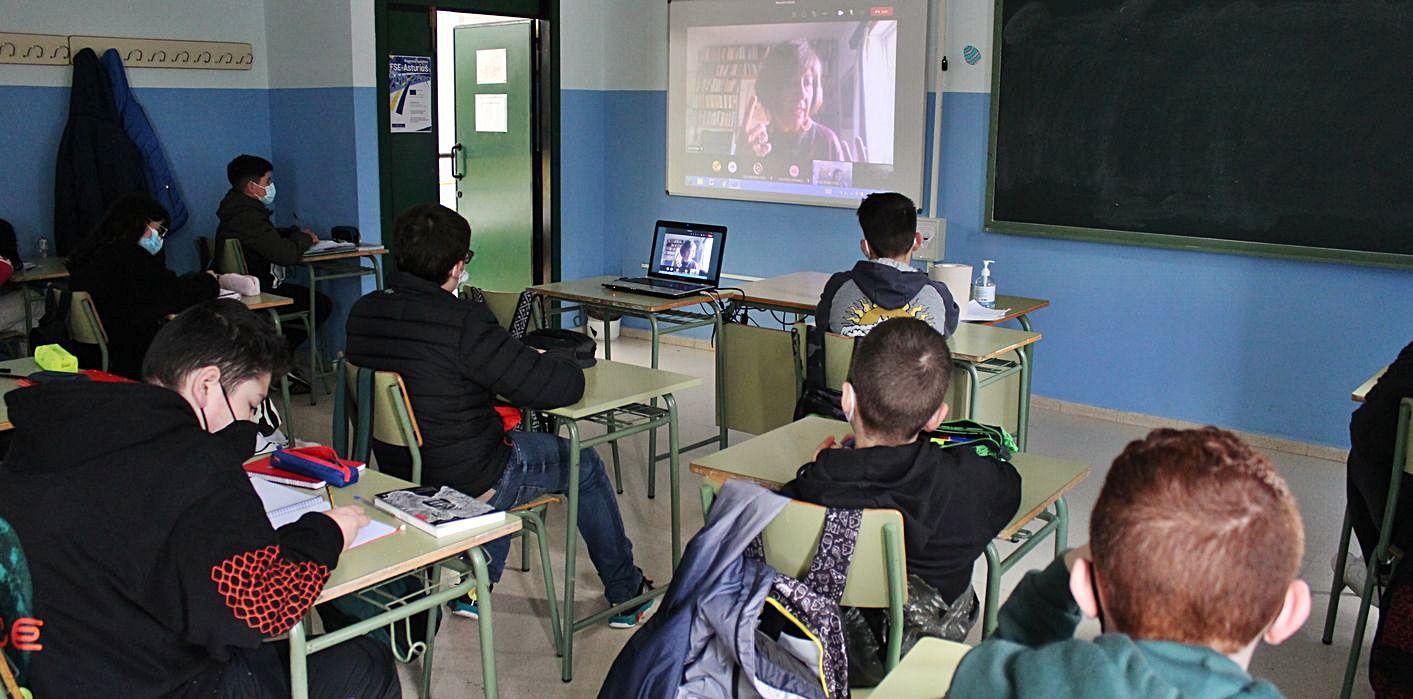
(780, 122)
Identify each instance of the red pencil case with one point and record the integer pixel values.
(318, 462)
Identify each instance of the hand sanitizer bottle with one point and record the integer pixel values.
(983, 290)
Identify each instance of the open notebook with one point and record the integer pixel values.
(284, 505)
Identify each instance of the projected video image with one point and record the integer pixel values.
(795, 94)
(686, 255)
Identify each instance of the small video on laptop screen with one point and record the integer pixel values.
(686, 253)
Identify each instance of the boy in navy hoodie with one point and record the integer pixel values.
(1194, 550)
(885, 285)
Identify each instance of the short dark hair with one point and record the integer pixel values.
(428, 240)
(221, 333)
(781, 69)
(247, 168)
(125, 222)
(889, 223)
(1195, 539)
(900, 373)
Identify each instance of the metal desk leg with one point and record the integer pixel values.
(298, 662)
(674, 477)
(1062, 526)
(483, 604)
(316, 372)
(571, 550)
(720, 374)
(1029, 359)
(972, 389)
(377, 271)
(652, 434)
(284, 383)
(1023, 400)
(990, 613)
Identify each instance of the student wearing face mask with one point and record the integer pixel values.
(122, 266)
(156, 571)
(270, 252)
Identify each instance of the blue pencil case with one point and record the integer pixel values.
(318, 462)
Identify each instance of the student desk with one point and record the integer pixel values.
(591, 294)
(340, 264)
(406, 552)
(23, 366)
(771, 459)
(614, 395)
(46, 270)
(798, 294)
(924, 673)
(1363, 390)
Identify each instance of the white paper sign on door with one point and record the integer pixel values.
(490, 66)
(491, 113)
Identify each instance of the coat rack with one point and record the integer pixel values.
(52, 49)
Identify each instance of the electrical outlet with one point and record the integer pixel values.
(934, 238)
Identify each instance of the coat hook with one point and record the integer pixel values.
(57, 49)
(161, 51)
(13, 49)
(226, 58)
(182, 57)
(203, 57)
(246, 59)
(29, 52)
(129, 57)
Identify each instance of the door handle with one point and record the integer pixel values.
(458, 169)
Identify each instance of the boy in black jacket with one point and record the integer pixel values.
(156, 572)
(455, 360)
(952, 501)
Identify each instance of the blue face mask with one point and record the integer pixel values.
(151, 243)
(269, 198)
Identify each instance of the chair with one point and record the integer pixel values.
(84, 325)
(1383, 558)
(759, 397)
(878, 573)
(382, 410)
(232, 261)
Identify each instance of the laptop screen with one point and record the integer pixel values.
(687, 251)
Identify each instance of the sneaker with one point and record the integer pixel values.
(465, 606)
(630, 618)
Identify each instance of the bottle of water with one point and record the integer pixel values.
(983, 290)
(41, 247)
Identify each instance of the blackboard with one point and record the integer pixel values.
(1278, 127)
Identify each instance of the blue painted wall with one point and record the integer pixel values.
(200, 129)
(1258, 344)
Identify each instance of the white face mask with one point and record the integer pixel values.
(269, 197)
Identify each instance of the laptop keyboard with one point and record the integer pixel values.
(662, 283)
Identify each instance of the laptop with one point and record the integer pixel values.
(685, 260)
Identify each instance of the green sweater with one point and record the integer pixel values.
(1034, 654)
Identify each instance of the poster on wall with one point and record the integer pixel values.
(410, 94)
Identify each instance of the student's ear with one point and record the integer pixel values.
(937, 417)
(204, 385)
(454, 276)
(1295, 609)
(865, 249)
(917, 240)
(1082, 587)
(848, 400)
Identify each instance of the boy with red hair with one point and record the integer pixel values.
(1195, 545)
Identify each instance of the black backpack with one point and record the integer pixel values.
(53, 326)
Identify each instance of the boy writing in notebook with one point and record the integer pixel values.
(885, 284)
(1195, 544)
(156, 572)
(952, 500)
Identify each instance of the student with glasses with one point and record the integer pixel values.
(122, 266)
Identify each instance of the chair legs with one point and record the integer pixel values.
(314, 373)
(533, 522)
(1337, 584)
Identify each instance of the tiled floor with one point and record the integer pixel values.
(527, 667)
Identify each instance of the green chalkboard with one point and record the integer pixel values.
(1274, 127)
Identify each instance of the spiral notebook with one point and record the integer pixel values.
(284, 504)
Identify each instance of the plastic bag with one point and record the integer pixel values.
(924, 614)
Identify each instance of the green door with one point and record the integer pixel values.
(493, 160)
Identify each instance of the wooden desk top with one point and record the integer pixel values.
(978, 343)
(47, 269)
(362, 251)
(771, 459)
(18, 367)
(924, 673)
(799, 292)
(262, 301)
(609, 385)
(398, 553)
(591, 291)
(1358, 395)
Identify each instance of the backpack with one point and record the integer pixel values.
(53, 326)
(816, 398)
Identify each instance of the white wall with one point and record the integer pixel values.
(203, 20)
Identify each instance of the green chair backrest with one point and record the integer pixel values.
(390, 413)
(231, 258)
(502, 304)
(793, 537)
(838, 352)
(84, 324)
(759, 396)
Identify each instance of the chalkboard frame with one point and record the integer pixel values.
(991, 224)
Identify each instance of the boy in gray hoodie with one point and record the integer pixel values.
(1195, 544)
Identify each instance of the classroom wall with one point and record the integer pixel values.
(1264, 345)
(202, 117)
